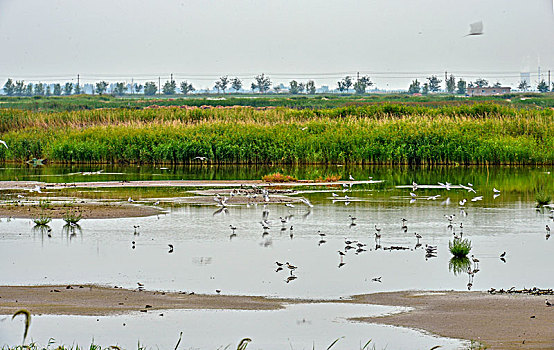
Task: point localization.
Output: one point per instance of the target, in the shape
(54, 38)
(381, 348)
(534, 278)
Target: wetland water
(206, 259)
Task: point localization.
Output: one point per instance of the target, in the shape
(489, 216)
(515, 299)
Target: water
(297, 327)
(205, 258)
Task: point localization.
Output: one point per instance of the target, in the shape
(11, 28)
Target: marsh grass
(382, 133)
(542, 199)
(42, 220)
(460, 248)
(72, 217)
(459, 265)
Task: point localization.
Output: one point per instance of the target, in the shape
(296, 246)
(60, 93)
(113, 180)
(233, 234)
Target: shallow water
(205, 258)
(296, 327)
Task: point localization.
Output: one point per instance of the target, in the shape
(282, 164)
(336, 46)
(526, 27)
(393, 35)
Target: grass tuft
(42, 220)
(542, 199)
(460, 247)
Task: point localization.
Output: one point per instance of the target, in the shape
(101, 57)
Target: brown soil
(87, 210)
(498, 321)
(97, 300)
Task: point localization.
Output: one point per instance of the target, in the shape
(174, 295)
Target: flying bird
(4, 143)
(476, 28)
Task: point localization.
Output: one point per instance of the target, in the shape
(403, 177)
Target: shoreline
(498, 321)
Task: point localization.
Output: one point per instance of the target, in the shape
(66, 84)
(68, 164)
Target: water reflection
(70, 230)
(459, 265)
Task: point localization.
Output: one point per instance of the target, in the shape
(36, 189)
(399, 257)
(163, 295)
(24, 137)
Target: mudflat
(497, 321)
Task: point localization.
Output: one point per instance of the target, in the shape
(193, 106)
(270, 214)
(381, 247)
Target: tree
(57, 89)
(120, 89)
(523, 85)
(277, 89)
(497, 85)
(293, 87)
(19, 88)
(236, 84)
(301, 87)
(186, 87)
(310, 87)
(462, 87)
(169, 87)
(78, 90)
(481, 83)
(361, 84)
(425, 89)
(543, 86)
(138, 87)
(29, 90)
(451, 84)
(223, 83)
(415, 87)
(434, 83)
(150, 88)
(39, 89)
(9, 87)
(345, 84)
(101, 87)
(262, 83)
(48, 93)
(68, 88)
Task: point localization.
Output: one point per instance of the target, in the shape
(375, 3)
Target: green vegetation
(72, 217)
(542, 199)
(370, 133)
(460, 248)
(42, 220)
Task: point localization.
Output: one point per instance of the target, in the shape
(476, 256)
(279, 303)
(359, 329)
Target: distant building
(488, 91)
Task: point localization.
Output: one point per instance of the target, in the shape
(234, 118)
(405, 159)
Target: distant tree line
(432, 85)
(261, 84)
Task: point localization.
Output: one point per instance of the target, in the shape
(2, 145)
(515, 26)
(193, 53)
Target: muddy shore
(498, 321)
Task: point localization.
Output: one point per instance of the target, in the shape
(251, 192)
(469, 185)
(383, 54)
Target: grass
(42, 220)
(460, 248)
(542, 199)
(376, 134)
(72, 217)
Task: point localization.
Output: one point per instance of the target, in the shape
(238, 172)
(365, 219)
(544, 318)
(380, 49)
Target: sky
(392, 41)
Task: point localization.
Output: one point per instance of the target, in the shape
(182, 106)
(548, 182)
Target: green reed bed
(390, 134)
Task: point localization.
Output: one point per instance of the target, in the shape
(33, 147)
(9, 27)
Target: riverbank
(498, 321)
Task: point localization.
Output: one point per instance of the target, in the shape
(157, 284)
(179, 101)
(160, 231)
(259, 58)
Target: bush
(542, 199)
(42, 220)
(278, 177)
(460, 247)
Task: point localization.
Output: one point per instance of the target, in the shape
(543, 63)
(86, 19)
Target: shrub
(278, 177)
(460, 247)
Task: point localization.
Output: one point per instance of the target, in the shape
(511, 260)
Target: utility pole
(445, 80)
(171, 77)
(358, 77)
(159, 86)
(132, 86)
(77, 79)
(549, 79)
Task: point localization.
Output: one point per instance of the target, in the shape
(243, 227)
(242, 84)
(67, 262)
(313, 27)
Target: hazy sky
(394, 41)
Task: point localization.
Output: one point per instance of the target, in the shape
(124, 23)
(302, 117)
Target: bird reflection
(222, 210)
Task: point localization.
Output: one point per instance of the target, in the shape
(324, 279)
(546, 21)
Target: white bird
(35, 189)
(334, 194)
(289, 205)
(495, 190)
(413, 194)
(201, 158)
(130, 200)
(475, 199)
(307, 202)
(350, 177)
(462, 202)
(4, 143)
(434, 197)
